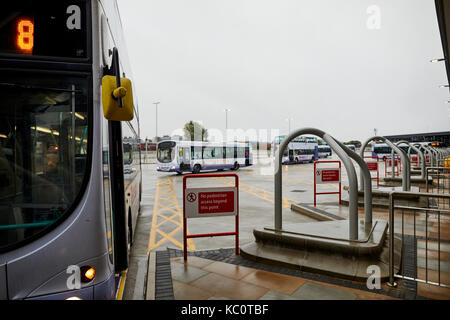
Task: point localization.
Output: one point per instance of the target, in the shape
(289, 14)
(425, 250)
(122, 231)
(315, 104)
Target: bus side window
(208, 153)
(241, 153)
(218, 153)
(230, 153)
(197, 153)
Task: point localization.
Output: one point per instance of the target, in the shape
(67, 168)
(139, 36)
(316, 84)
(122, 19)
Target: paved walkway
(202, 279)
(219, 274)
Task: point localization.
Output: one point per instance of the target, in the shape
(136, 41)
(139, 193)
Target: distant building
(164, 138)
(148, 145)
(177, 138)
(442, 137)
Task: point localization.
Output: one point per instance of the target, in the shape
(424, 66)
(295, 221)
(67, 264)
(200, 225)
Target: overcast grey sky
(324, 63)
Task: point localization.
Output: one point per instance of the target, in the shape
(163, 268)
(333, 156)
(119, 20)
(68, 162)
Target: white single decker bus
(381, 151)
(196, 156)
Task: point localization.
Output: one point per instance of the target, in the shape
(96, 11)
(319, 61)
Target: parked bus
(325, 151)
(381, 151)
(196, 156)
(70, 184)
(300, 150)
(384, 151)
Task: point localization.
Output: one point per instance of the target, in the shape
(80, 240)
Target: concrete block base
(380, 198)
(397, 182)
(323, 247)
(312, 212)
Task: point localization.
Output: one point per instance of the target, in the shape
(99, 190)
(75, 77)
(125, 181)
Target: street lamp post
(156, 104)
(289, 121)
(226, 118)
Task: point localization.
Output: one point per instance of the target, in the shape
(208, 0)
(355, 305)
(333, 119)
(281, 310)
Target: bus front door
(120, 217)
(185, 159)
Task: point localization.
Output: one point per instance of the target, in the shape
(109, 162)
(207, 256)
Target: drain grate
(298, 191)
(163, 277)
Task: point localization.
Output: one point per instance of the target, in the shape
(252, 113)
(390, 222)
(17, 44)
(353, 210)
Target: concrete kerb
(151, 277)
(315, 213)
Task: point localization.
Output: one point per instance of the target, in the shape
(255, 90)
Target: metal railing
(440, 184)
(424, 237)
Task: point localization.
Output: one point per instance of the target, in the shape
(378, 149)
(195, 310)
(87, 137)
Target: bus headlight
(74, 298)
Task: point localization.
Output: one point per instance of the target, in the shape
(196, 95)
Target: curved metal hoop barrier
(406, 174)
(345, 154)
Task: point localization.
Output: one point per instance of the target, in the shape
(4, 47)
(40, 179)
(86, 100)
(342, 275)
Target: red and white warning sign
(372, 166)
(209, 202)
(328, 175)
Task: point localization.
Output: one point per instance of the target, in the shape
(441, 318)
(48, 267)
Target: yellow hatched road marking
(167, 208)
(258, 192)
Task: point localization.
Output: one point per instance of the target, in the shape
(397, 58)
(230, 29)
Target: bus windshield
(166, 153)
(304, 151)
(43, 150)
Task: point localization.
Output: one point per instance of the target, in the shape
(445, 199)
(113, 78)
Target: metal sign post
(415, 160)
(210, 202)
(326, 176)
(395, 166)
(373, 166)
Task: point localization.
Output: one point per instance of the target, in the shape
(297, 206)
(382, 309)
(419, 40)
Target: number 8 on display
(25, 38)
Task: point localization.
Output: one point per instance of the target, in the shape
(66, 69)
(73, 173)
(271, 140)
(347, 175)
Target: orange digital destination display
(45, 29)
(25, 35)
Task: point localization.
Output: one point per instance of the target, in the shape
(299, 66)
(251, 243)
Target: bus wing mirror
(111, 96)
